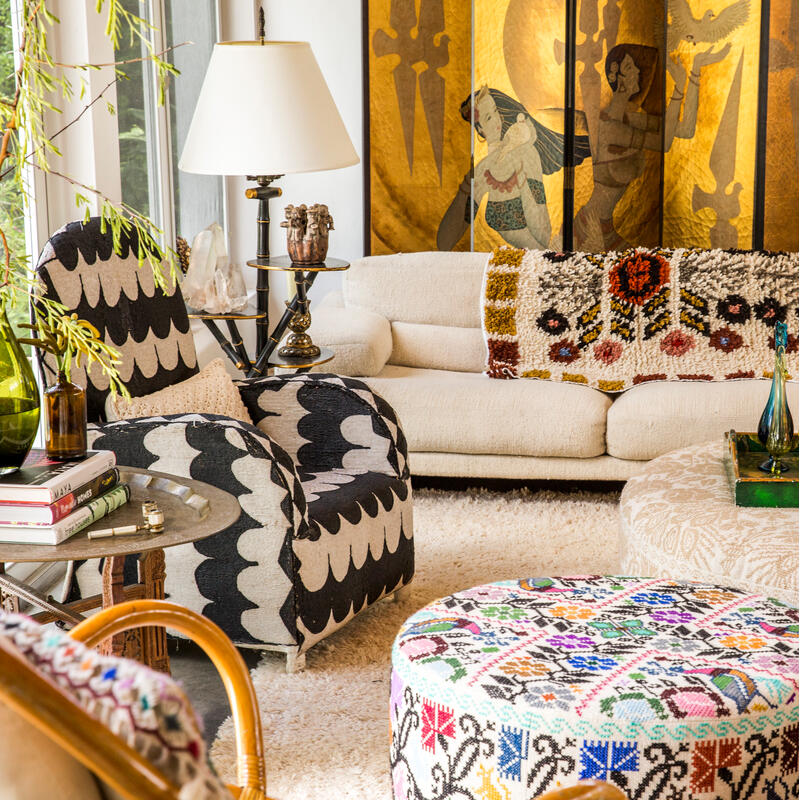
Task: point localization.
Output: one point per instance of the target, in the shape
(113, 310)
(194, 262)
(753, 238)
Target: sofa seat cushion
(468, 412)
(653, 418)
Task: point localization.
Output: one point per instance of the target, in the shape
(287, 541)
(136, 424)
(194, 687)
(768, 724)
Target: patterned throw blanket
(614, 320)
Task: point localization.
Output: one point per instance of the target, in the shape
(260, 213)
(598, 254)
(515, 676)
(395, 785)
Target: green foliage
(37, 85)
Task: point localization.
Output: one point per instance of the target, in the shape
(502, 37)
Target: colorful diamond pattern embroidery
(628, 627)
(600, 758)
(708, 757)
(789, 750)
(513, 751)
(607, 687)
(436, 720)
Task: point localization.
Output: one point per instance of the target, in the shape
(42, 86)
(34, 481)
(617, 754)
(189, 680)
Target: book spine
(55, 534)
(94, 510)
(30, 514)
(83, 495)
(82, 473)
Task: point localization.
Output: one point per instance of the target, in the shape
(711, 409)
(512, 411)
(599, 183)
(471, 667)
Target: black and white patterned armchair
(326, 526)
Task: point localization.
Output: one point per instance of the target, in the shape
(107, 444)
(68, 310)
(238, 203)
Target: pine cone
(184, 252)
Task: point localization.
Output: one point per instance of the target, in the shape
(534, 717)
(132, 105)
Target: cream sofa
(410, 326)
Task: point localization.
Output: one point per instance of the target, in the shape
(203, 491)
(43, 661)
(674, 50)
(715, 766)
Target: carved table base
(148, 645)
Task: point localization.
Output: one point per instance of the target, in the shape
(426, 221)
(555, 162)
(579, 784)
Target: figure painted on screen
(629, 126)
(521, 151)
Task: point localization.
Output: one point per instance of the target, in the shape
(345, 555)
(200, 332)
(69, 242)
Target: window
(12, 204)
(151, 136)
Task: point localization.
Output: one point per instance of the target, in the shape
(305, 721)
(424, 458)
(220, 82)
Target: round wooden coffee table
(679, 520)
(192, 511)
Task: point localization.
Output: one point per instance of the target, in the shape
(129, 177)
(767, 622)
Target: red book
(38, 514)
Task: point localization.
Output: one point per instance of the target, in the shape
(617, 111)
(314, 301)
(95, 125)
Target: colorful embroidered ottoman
(666, 689)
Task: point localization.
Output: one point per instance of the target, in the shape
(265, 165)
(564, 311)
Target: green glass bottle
(19, 400)
(776, 428)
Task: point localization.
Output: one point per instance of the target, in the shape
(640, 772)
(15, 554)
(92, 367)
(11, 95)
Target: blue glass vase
(19, 400)
(776, 428)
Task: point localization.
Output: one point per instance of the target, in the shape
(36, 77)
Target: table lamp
(264, 111)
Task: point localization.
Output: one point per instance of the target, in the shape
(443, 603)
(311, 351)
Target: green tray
(752, 486)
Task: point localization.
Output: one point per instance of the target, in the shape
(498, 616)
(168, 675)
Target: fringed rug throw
(614, 320)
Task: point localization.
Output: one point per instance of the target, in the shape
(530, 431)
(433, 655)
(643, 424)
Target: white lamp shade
(265, 109)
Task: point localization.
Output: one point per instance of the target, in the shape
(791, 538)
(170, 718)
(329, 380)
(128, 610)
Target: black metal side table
(299, 352)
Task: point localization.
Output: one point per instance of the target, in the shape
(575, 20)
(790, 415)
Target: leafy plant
(68, 338)
(40, 84)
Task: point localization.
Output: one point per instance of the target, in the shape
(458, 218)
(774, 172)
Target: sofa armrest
(361, 339)
(328, 422)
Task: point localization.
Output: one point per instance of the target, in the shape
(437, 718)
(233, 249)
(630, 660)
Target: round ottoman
(679, 520)
(668, 690)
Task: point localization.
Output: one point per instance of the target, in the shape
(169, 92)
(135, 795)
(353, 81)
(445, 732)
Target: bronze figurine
(307, 233)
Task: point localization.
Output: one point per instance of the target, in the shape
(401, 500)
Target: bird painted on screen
(710, 28)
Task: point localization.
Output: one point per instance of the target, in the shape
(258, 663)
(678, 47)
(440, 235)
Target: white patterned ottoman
(668, 690)
(679, 520)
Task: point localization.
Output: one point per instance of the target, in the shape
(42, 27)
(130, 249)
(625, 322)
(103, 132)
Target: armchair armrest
(251, 774)
(219, 450)
(239, 458)
(361, 339)
(328, 422)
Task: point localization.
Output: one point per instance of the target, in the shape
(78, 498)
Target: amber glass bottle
(65, 420)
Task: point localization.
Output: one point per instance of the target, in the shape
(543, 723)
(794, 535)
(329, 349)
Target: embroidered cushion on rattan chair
(146, 709)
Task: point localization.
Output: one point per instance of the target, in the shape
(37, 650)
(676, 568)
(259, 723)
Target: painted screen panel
(619, 100)
(419, 74)
(780, 189)
(519, 104)
(709, 161)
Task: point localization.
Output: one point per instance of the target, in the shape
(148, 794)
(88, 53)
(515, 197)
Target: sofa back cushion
(425, 288)
(438, 347)
(432, 300)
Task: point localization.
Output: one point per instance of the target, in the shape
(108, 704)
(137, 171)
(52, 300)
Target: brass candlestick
(298, 343)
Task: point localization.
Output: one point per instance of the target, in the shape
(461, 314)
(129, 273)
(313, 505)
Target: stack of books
(46, 501)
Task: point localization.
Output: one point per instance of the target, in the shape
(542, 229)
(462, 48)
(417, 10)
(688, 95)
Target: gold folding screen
(685, 124)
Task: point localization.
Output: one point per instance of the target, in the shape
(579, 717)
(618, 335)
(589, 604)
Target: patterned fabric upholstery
(678, 520)
(326, 526)
(146, 709)
(668, 690)
(79, 267)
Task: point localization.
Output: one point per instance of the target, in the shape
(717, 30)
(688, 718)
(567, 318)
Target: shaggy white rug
(327, 728)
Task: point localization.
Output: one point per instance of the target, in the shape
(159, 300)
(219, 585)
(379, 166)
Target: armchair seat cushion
(147, 710)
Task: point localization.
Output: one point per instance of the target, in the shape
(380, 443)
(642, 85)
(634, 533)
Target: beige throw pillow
(211, 391)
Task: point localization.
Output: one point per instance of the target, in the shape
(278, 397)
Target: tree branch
(113, 63)
(7, 270)
(68, 125)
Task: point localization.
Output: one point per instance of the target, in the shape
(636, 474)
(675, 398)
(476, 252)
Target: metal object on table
(300, 353)
(751, 486)
(307, 231)
(192, 510)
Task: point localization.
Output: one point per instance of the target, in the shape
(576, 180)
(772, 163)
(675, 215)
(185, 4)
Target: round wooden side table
(192, 511)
